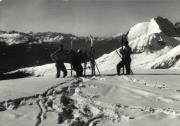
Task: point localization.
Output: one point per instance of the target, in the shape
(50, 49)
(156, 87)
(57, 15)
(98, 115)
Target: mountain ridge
(18, 49)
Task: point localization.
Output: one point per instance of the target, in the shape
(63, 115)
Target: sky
(83, 17)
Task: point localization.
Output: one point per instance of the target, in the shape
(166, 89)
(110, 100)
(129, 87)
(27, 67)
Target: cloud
(65, 0)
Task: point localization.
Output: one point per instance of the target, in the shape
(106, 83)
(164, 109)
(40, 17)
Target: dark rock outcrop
(167, 26)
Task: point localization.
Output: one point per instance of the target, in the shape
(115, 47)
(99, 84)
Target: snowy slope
(143, 60)
(43, 70)
(168, 59)
(163, 59)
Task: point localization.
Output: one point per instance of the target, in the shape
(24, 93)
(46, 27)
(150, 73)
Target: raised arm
(53, 55)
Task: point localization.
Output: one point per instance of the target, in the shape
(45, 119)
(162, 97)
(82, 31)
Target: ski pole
(97, 68)
(71, 57)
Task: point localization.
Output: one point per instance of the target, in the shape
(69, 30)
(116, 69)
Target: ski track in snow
(134, 80)
(42, 114)
(77, 109)
(117, 112)
(39, 116)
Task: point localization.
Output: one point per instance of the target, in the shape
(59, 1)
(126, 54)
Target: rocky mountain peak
(166, 26)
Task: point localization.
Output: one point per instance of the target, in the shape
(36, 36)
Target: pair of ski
(93, 62)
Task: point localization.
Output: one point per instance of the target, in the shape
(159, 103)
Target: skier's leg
(58, 70)
(75, 67)
(118, 69)
(128, 67)
(80, 70)
(64, 70)
(119, 66)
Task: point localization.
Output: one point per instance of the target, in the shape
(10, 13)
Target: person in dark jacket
(76, 63)
(125, 52)
(59, 63)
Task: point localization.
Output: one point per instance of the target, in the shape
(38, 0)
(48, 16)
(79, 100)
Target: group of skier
(76, 60)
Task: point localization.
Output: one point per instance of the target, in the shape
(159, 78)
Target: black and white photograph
(89, 62)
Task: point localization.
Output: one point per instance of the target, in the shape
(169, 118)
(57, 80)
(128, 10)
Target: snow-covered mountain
(15, 37)
(156, 44)
(153, 35)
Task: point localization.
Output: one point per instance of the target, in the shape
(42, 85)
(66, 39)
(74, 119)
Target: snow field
(110, 100)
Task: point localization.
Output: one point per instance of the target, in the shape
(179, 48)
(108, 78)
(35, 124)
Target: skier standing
(125, 52)
(59, 63)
